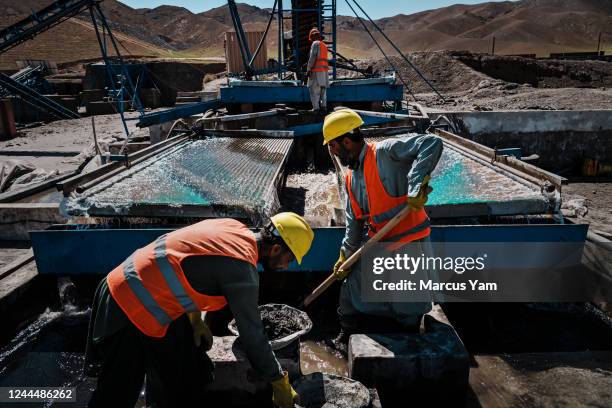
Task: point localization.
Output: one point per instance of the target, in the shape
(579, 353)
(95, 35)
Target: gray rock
(436, 358)
(318, 390)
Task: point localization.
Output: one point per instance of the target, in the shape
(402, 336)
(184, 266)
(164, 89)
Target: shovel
(355, 257)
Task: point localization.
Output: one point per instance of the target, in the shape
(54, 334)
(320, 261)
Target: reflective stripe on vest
(150, 286)
(384, 207)
(321, 64)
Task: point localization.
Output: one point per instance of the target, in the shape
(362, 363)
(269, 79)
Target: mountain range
(525, 26)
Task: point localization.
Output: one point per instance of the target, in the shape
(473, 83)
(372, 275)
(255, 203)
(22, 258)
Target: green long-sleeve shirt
(235, 279)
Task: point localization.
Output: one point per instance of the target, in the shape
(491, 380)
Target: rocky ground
(58, 147)
(483, 82)
(588, 202)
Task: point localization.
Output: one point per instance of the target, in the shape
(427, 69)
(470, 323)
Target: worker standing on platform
(318, 71)
(382, 179)
(146, 316)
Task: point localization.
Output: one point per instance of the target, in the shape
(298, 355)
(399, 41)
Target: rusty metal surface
(209, 177)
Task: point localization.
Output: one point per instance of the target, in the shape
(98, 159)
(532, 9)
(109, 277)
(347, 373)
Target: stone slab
(234, 373)
(434, 359)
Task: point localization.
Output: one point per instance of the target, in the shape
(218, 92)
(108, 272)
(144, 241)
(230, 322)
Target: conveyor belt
(202, 178)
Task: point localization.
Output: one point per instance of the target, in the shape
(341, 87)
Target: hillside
(526, 26)
(73, 40)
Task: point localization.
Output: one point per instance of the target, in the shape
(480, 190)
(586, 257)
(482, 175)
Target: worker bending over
(318, 71)
(382, 179)
(146, 316)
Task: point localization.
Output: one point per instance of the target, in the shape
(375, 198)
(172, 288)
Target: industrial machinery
(232, 157)
(229, 157)
(122, 87)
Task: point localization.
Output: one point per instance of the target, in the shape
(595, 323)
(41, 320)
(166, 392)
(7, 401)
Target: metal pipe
(109, 68)
(280, 36)
(256, 53)
(114, 172)
(125, 71)
(242, 42)
(67, 185)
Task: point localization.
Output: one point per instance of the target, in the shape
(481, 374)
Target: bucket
(283, 324)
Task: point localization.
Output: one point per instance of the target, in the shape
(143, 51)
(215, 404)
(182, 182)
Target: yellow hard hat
(340, 122)
(295, 231)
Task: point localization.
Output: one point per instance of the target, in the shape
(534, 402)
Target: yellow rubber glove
(417, 202)
(340, 273)
(283, 394)
(201, 332)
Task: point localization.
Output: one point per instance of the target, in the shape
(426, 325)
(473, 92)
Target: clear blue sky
(375, 8)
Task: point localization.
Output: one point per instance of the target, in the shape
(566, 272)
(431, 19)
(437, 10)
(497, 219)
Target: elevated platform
(288, 92)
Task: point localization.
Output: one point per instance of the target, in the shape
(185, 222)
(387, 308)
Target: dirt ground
(484, 82)
(66, 138)
(496, 95)
(71, 134)
(542, 380)
(595, 199)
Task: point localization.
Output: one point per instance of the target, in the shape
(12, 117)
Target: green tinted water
(223, 172)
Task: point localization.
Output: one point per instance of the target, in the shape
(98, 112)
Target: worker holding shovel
(387, 185)
(146, 315)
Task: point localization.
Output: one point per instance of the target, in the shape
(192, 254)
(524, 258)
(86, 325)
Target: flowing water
(219, 172)
(50, 351)
(458, 180)
(316, 356)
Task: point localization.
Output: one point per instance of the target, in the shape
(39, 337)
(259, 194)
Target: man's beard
(346, 160)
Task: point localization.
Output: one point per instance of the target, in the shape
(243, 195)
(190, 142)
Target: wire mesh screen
(210, 177)
(465, 186)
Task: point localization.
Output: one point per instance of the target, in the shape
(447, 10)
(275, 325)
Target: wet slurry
(49, 352)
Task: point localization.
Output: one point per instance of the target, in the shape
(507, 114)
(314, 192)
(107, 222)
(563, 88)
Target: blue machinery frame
(299, 94)
(273, 95)
(88, 250)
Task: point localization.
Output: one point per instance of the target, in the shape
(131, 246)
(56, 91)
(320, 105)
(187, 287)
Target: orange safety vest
(383, 207)
(150, 286)
(321, 64)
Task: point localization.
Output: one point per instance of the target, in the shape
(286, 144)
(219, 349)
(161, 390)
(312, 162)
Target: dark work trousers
(176, 370)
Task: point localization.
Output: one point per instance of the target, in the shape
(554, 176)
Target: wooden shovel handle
(356, 255)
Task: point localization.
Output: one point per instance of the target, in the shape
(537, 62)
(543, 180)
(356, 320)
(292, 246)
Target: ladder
(327, 26)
